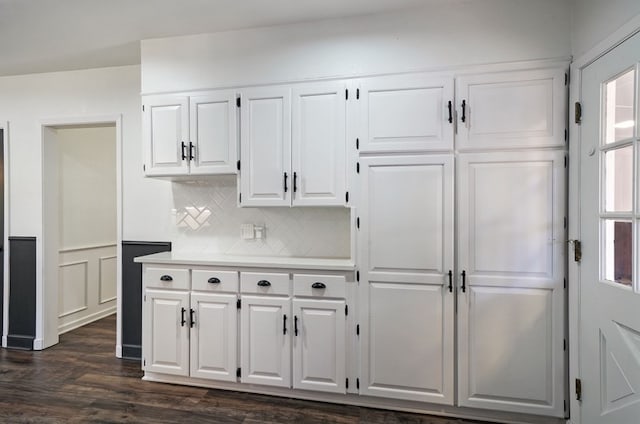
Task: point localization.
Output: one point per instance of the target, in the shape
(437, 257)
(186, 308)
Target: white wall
(595, 20)
(87, 224)
(448, 34)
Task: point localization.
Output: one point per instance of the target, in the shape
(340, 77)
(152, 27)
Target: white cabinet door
(511, 110)
(166, 331)
(511, 313)
(319, 345)
(406, 254)
(319, 144)
(265, 147)
(166, 135)
(406, 113)
(214, 133)
(214, 336)
(265, 340)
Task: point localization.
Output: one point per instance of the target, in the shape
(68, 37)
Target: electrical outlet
(247, 232)
(260, 232)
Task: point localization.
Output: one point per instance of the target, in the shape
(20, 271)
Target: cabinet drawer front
(214, 280)
(264, 283)
(334, 285)
(167, 278)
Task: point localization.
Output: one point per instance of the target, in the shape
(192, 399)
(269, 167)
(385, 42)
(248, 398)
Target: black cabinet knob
(213, 280)
(318, 285)
(166, 278)
(264, 283)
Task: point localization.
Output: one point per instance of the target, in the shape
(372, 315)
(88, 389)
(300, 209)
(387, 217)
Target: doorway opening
(81, 226)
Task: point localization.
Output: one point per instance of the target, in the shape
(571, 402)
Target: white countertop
(213, 259)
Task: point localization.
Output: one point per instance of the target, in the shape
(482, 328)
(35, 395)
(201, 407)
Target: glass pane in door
(618, 251)
(618, 171)
(619, 112)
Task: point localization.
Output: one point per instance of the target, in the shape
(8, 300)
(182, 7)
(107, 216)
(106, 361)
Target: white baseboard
(86, 320)
(38, 344)
(4, 341)
(119, 351)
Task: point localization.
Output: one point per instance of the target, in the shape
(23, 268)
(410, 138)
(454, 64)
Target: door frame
(625, 32)
(4, 126)
(47, 256)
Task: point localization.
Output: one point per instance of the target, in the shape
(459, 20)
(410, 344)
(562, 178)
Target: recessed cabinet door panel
(265, 147)
(510, 110)
(167, 337)
(214, 133)
(511, 249)
(407, 113)
(265, 348)
(165, 129)
(319, 144)
(319, 345)
(213, 336)
(404, 336)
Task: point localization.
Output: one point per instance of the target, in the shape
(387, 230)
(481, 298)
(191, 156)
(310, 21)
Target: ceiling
(57, 35)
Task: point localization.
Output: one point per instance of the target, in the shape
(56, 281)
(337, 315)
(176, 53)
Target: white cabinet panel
(511, 250)
(406, 113)
(166, 134)
(407, 342)
(319, 144)
(213, 336)
(166, 339)
(214, 132)
(407, 217)
(511, 110)
(265, 340)
(265, 147)
(319, 354)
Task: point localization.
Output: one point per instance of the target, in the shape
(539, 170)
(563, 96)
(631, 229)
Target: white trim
(102, 301)
(71, 121)
(88, 247)
(5, 270)
(86, 320)
(625, 32)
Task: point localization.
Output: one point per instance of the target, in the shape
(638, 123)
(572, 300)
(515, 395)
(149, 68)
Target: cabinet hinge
(565, 405)
(346, 310)
(238, 102)
(238, 165)
(358, 167)
(358, 330)
(357, 275)
(346, 94)
(357, 94)
(564, 344)
(144, 168)
(565, 161)
(240, 198)
(346, 197)
(346, 383)
(578, 113)
(143, 108)
(238, 372)
(145, 297)
(566, 78)
(564, 283)
(238, 305)
(565, 222)
(357, 383)
(577, 250)
(566, 135)
(578, 389)
(358, 222)
(357, 144)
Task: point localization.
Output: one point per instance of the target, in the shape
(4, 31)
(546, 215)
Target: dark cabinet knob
(213, 280)
(318, 285)
(264, 283)
(166, 278)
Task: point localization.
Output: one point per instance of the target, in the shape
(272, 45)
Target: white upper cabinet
(214, 133)
(190, 135)
(319, 144)
(166, 135)
(406, 113)
(265, 147)
(511, 110)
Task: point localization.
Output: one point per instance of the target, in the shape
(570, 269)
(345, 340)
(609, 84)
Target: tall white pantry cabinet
(476, 253)
(458, 193)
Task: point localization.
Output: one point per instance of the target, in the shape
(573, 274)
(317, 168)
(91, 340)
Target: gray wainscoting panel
(22, 292)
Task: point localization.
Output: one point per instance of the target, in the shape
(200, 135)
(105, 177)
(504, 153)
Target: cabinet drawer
(213, 280)
(334, 285)
(167, 278)
(264, 283)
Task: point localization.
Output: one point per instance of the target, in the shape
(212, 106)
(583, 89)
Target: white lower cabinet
(265, 340)
(319, 354)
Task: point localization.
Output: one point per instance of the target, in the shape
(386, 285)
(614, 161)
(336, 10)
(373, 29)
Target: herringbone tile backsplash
(207, 219)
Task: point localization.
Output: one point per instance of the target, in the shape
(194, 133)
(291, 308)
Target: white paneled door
(406, 255)
(609, 310)
(510, 281)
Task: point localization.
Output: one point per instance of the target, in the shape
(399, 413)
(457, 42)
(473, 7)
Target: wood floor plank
(80, 380)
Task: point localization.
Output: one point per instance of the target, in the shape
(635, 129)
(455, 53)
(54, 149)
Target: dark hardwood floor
(80, 380)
